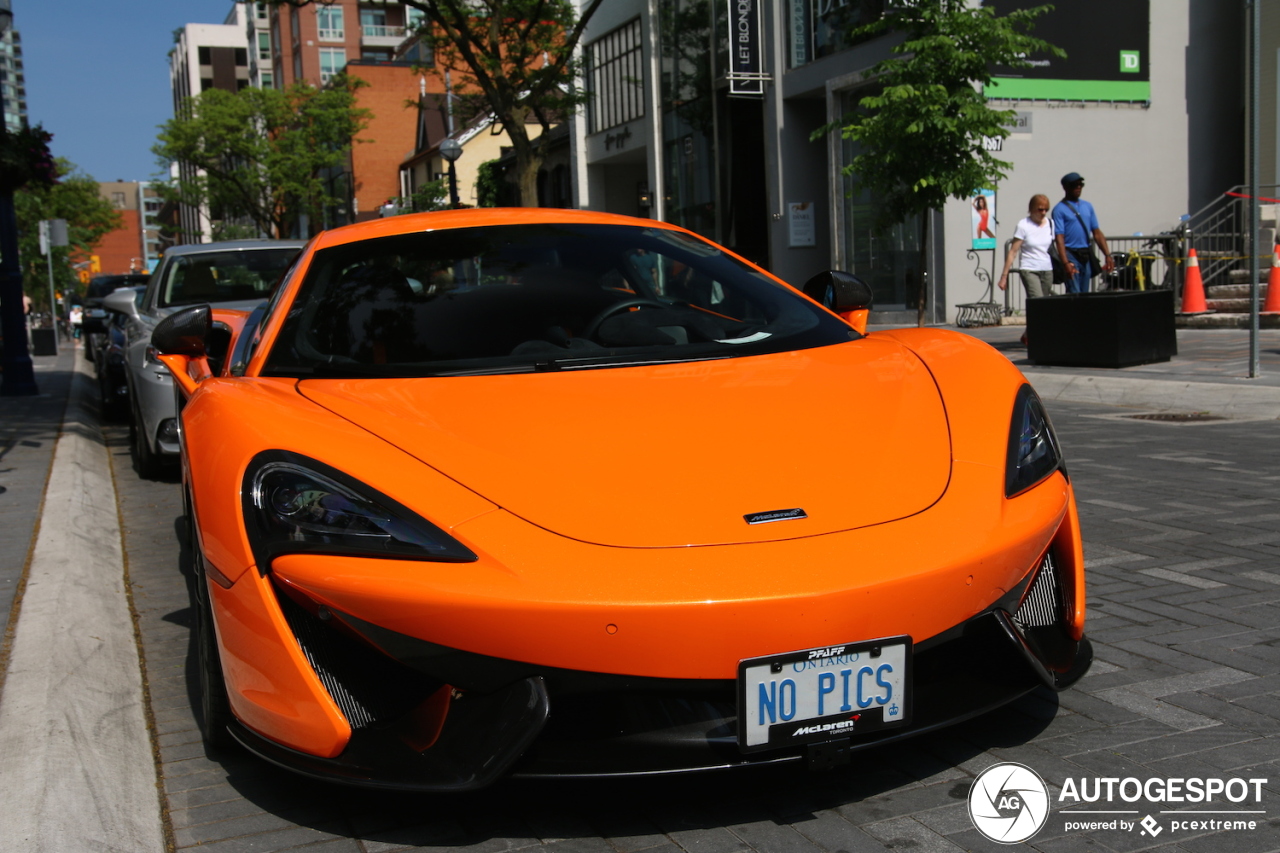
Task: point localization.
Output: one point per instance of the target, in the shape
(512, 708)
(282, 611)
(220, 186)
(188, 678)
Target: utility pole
(1255, 22)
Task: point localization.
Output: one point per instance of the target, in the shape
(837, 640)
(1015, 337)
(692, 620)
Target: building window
(297, 67)
(413, 18)
(206, 83)
(267, 82)
(420, 54)
(117, 200)
(260, 10)
(329, 21)
(332, 60)
(615, 74)
(375, 55)
(373, 23)
(293, 26)
(242, 57)
(264, 46)
(205, 55)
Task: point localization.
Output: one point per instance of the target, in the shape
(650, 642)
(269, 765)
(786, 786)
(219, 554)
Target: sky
(97, 76)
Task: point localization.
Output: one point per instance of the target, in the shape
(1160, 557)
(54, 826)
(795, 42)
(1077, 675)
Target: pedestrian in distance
(1030, 245)
(1076, 230)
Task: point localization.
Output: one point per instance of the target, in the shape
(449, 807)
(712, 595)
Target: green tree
(512, 58)
(257, 157)
(89, 217)
(920, 136)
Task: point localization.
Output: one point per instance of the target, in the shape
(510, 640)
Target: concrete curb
(1161, 395)
(78, 770)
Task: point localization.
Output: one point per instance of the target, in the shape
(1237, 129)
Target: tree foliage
(920, 136)
(89, 216)
(261, 154)
(512, 58)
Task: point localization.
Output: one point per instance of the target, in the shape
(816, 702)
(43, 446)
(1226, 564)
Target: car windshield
(518, 298)
(226, 276)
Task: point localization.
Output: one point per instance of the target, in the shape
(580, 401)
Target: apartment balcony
(377, 35)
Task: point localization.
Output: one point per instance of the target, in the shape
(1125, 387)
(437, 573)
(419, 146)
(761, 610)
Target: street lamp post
(451, 150)
(19, 374)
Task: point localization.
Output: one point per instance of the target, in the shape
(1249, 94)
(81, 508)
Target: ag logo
(1008, 803)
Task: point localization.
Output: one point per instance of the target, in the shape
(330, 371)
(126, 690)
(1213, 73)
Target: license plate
(821, 694)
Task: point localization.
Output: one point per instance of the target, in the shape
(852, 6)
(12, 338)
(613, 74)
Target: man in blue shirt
(1075, 226)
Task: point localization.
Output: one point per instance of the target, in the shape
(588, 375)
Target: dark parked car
(99, 287)
(113, 386)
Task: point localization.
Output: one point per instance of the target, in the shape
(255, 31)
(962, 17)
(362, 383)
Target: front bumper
(428, 718)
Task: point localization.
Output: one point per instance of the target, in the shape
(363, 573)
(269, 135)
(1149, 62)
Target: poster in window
(982, 210)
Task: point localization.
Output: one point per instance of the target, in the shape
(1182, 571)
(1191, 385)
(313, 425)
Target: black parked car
(113, 386)
(100, 286)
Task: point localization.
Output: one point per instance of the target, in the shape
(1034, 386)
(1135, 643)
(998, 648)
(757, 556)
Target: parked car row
(236, 274)
(519, 492)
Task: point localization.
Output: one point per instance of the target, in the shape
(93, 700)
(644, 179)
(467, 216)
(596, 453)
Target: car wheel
(215, 709)
(148, 463)
(109, 403)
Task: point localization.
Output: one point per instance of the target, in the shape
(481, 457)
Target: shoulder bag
(1059, 267)
(1092, 254)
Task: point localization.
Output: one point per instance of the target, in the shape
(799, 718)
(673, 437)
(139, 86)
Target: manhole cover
(1177, 417)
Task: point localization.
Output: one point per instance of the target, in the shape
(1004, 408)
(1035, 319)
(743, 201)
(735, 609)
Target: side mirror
(121, 302)
(94, 322)
(183, 333)
(839, 291)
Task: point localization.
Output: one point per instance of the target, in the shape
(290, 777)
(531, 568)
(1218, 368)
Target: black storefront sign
(746, 77)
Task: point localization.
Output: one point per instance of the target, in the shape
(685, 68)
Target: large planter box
(44, 342)
(1108, 329)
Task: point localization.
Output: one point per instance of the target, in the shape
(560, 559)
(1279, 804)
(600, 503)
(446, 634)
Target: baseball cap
(1072, 178)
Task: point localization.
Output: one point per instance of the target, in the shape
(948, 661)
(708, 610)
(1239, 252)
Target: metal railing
(380, 31)
(1219, 232)
(1146, 263)
(331, 34)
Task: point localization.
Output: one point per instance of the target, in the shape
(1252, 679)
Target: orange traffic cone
(1193, 288)
(1272, 305)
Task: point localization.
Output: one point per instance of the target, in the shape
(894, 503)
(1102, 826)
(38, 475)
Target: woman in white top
(1031, 240)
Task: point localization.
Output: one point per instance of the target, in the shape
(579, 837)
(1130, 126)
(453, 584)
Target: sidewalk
(1209, 374)
(78, 761)
(79, 771)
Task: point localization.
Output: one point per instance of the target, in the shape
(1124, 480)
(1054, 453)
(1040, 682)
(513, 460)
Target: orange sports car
(533, 492)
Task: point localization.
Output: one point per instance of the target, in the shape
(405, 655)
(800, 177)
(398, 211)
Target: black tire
(149, 464)
(215, 709)
(109, 403)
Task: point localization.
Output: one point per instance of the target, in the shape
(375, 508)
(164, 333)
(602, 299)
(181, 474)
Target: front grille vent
(1043, 605)
(367, 686)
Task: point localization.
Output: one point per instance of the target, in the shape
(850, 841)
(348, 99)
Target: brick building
(373, 173)
(314, 42)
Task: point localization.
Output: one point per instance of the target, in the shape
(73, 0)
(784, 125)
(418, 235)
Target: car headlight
(1033, 448)
(294, 504)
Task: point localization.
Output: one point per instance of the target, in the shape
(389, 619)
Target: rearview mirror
(838, 291)
(184, 333)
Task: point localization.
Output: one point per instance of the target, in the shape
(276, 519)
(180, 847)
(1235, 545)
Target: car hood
(678, 454)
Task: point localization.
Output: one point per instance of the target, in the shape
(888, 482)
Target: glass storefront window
(819, 28)
(886, 259)
(688, 115)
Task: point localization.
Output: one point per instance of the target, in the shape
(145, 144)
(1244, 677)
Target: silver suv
(235, 274)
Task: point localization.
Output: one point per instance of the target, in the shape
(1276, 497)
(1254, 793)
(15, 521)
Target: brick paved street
(1183, 544)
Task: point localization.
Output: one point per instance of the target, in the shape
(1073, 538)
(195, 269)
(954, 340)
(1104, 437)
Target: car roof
(410, 223)
(231, 245)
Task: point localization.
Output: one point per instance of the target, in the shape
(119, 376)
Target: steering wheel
(638, 302)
